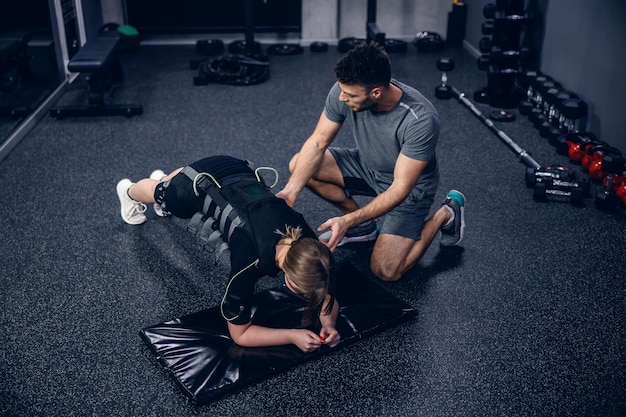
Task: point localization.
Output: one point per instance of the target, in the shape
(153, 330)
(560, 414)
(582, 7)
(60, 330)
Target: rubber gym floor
(526, 318)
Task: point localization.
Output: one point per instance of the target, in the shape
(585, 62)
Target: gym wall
(330, 20)
(399, 19)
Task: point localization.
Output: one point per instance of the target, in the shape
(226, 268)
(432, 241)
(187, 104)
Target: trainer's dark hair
(367, 65)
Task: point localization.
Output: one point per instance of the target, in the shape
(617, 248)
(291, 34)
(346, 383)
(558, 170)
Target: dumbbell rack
(561, 117)
(502, 57)
(553, 180)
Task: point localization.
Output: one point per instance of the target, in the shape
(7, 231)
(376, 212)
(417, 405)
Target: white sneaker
(157, 174)
(132, 211)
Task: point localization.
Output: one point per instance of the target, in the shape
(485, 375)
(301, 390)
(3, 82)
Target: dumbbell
(616, 182)
(614, 167)
(549, 185)
(619, 186)
(539, 115)
(543, 89)
(548, 127)
(445, 65)
(539, 85)
(557, 182)
(489, 10)
(487, 28)
(559, 189)
(483, 62)
(553, 97)
(604, 161)
(516, 17)
(500, 86)
(531, 80)
(504, 57)
(546, 121)
(484, 45)
(525, 80)
(535, 175)
(572, 111)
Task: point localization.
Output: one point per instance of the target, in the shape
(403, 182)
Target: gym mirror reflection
(28, 63)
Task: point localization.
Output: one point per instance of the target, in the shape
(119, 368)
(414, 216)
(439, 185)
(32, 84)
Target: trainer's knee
(292, 162)
(385, 271)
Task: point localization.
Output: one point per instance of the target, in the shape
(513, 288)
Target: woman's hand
(306, 340)
(331, 336)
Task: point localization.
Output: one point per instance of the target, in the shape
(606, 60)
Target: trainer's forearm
(377, 207)
(306, 165)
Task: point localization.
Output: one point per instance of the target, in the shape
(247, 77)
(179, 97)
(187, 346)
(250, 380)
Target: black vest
(241, 201)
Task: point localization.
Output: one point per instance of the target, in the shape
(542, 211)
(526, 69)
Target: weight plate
(319, 47)
(347, 44)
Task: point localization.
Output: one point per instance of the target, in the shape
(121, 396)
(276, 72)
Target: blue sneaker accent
(457, 196)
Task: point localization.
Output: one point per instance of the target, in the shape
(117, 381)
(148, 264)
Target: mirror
(28, 61)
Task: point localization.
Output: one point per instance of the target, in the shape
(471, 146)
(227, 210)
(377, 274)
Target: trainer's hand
(338, 227)
(289, 197)
(306, 340)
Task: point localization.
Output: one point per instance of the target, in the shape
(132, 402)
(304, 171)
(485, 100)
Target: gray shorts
(405, 220)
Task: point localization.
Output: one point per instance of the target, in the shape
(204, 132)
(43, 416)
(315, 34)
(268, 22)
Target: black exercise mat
(206, 364)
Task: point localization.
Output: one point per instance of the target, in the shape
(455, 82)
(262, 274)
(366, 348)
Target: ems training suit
(252, 254)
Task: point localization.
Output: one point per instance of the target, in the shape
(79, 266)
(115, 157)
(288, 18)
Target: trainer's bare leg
(394, 255)
(328, 184)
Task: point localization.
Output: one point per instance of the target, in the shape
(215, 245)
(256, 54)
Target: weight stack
(502, 57)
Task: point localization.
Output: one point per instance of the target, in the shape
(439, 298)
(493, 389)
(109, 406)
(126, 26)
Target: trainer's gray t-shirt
(410, 128)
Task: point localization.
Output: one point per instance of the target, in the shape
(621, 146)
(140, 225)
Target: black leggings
(177, 198)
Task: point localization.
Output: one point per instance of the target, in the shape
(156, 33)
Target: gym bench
(99, 59)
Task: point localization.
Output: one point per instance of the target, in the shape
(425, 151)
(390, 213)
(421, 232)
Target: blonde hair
(309, 264)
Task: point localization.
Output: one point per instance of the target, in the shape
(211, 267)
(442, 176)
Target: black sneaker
(363, 233)
(452, 234)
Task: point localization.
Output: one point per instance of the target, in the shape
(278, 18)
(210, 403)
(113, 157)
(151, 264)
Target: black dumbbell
(500, 56)
(445, 65)
(613, 166)
(487, 28)
(484, 45)
(483, 62)
(540, 85)
(525, 80)
(558, 182)
(535, 175)
(489, 10)
(572, 111)
(518, 18)
(553, 97)
(540, 115)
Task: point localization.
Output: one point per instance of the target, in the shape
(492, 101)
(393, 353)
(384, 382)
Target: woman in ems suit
(231, 208)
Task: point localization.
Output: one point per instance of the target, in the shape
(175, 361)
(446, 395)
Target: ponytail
(309, 264)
